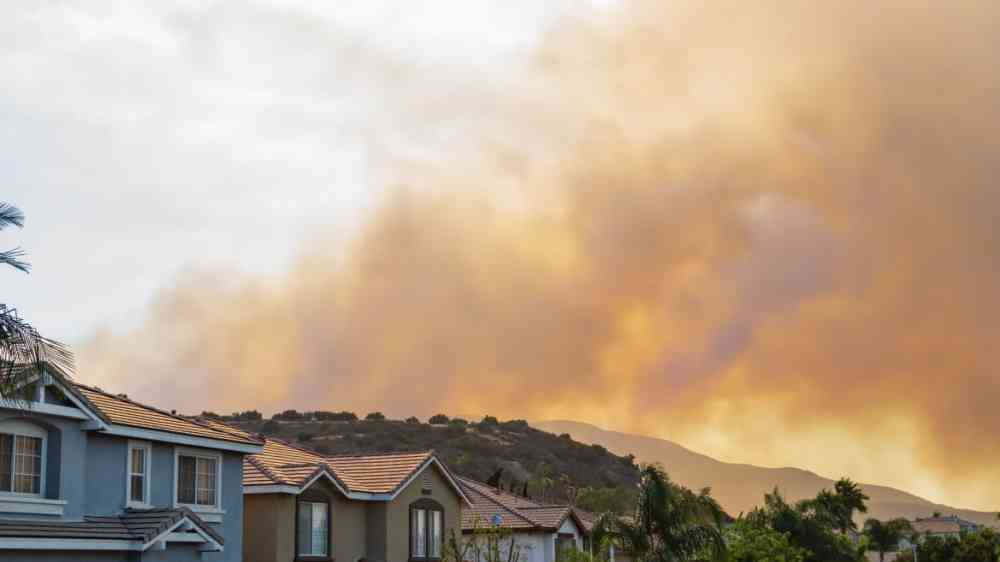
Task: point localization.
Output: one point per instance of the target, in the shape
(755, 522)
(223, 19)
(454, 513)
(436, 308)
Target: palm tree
(885, 536)
(23, 350)
(670, 523)
(850, 499)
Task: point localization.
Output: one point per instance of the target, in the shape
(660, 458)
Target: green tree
(979, 546)
(669, 523)
(884, 536)
(806, 528)
(375, 416)
(758, 543)
(438, 419)
(23, 350)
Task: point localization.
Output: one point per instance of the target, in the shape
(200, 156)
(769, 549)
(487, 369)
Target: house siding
(87, 469)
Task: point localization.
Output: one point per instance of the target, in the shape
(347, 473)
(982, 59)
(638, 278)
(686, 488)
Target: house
(540, 531)
(395, 507)
(943, 526)
(86, 475)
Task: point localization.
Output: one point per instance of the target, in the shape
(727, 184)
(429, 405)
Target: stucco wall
(62, 556)
(268, 527)
(398, 513)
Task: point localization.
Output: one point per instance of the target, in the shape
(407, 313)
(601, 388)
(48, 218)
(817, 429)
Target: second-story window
(21, 463)
(198, 479)
(137, 484)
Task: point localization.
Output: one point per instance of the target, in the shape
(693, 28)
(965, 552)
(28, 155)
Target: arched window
(22, 458)
(426, 529)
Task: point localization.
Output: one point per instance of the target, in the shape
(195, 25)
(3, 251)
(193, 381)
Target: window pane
(27, 464)
(186, 479)
(206, 481)
(420, 530)
(319, 529)
(304, 538)
(138, 461)
(435, 546)
(6, 462)
(138, 491)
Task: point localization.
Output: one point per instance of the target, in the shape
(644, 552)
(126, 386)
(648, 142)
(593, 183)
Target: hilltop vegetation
(518, 457)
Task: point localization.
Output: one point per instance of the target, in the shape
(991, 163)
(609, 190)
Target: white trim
(16, 503)
(68, 544)
(178, 439)
(329, 477)
(147, 449)
(431, 460)
(215, 509)
(182, 525)
(53, 410)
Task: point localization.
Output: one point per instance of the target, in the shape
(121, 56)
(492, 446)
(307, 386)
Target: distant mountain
(739, 487)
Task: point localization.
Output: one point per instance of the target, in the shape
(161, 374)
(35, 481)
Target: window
(137, 479)
(426, 530)
(313, 529)
(198, 479)
(22, 458)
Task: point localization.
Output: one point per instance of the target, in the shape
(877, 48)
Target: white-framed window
(138, 467)
(313, 529)
(23, 449)
(426, 530)
(198, 479)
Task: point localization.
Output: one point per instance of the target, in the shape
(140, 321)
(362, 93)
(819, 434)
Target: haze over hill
(739, 487)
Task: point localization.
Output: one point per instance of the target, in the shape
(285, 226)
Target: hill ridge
(740, 486)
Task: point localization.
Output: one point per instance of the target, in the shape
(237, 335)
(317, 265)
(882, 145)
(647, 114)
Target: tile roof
(282, 463)
(132, 525)
(516, 512)
(120, 410)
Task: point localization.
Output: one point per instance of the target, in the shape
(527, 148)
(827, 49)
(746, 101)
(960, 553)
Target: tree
(807, 528)
(756, 543)
(885, 536)
(412, 419)
(850, 498)
(438, 419)
(23, 350)
(669, 523)
(375, 416)
(270, 427)
(979, 546)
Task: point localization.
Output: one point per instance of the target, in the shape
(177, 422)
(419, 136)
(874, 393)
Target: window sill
(31, 504)
(207, 514)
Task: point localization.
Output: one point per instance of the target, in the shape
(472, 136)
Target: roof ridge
(426, 453)
(124, 398)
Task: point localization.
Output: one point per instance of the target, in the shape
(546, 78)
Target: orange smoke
(765, 232)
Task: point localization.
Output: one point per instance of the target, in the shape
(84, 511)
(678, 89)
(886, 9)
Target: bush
(270, 427)
(412, 419)
(438, 419)
(489, 421)
(288, 415)
(458, 422)
(304, 437)
(375, 416)
(335, 416)
(249, 415)
(211, 415)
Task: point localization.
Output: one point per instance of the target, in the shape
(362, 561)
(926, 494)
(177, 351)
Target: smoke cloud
(765, 230)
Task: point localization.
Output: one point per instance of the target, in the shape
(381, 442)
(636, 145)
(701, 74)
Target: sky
(764, 231)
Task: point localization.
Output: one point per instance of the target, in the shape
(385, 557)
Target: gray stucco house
(86, 475)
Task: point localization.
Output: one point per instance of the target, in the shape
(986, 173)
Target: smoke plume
(765, 230)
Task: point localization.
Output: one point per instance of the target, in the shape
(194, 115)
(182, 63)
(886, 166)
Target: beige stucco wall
(268, 527)
(398, 513)
(377, 531)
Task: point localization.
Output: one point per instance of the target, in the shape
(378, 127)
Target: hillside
(739, 487)
(554, 467)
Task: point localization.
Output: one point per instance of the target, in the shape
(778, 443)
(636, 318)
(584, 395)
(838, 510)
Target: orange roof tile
(516, 512)
(282, 463)
(121, 410)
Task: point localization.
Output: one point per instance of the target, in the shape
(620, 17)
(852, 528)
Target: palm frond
(13, 259)
(10, 216)
(24, 353)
